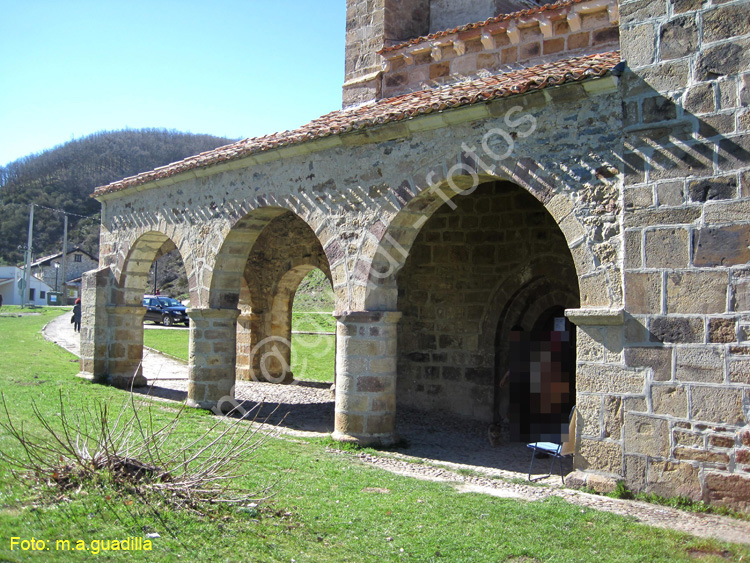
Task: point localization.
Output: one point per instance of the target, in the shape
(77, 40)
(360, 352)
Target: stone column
(125, 347)
(366, 377)
(95, 286)
(247, 334)
(212, 356)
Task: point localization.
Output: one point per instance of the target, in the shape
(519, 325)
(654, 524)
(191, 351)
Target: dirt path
(452, 451)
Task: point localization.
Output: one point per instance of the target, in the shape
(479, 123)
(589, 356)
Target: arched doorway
(493, 261)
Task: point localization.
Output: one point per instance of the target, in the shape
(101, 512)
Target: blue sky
(69, 68)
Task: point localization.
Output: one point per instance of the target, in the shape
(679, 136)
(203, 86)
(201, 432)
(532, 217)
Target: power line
(66, 212)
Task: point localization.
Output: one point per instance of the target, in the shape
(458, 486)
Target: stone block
(677, 330)
(663, 77)
(589, 409)
(667, 248)
(669, 479)
(659, 359)
(613, 416)
(602, 484)
(646, 435)
(380, 424)
(719, 124)
(721, 331)
(638, 198)
(739, 371)
(727, 212)
(599, 455)
(680, 6)
(678, 37)
(696, 292)
(734, 152)
(640, 10)
(669, 400)
(677, 162)
(723, 60)
(725, 22)
(604, 378)
(721, 246)
(649, 218)
(349, 424)
(699, 364)
(638, 46)
(727, 94)
(726, 489)
(717, 404)
(633, 249)
(374, 384)
(658, 108)
(687, 439)
(635, 471)
(719, 441)
(643, 292)
(710, 189)
(670, 193)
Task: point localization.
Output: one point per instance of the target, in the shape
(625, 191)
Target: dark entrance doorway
(541, 380)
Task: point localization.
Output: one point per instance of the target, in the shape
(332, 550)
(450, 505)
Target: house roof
(530, 12)
(387, 110)
(45, 259)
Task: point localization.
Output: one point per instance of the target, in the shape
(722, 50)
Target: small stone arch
(136, 258)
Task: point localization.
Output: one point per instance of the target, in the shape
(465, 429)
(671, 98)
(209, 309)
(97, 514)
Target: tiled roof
(389, 110)
(497, 19)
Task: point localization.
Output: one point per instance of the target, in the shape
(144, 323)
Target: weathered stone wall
(73, 269)
(687, 229)
(465, 269)
(580, 29)
(446, 14)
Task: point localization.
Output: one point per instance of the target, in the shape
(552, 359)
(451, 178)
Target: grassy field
(326, 506)
(313, 355)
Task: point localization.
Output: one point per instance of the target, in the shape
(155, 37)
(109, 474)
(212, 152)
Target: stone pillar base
(366, 377)
(211, 364)
(596, 481)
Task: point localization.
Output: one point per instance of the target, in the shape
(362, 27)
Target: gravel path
(449, 450)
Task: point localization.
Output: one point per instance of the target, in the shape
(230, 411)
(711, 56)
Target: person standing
(77, 315)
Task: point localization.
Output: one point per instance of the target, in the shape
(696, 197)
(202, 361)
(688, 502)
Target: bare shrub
(131, 451)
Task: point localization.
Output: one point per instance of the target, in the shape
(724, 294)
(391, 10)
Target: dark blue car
(164, 310)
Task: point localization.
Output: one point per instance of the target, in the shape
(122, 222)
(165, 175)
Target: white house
(10, 287)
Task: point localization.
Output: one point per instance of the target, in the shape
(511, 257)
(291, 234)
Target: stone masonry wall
(463, 268)
(580, 29)
(687, 230)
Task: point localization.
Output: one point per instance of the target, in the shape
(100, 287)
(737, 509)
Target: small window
(77, 258)
(42, 294)
(31, 294)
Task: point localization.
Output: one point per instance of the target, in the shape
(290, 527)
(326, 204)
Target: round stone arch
(136, 258)
(224, 277)
(395, 238)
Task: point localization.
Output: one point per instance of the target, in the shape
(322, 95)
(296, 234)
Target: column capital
(125, 310)
(209, 314)
(367, 316)
(598, 316)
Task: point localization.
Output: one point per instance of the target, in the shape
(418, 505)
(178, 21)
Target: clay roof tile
(399, 108)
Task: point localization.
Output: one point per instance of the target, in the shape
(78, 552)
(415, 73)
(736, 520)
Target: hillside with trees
(64, 177)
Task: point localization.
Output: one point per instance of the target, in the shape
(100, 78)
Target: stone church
(520, 208)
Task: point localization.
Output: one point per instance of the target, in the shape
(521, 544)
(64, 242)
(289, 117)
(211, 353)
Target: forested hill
(64, 177)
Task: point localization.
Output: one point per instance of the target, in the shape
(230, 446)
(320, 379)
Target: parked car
(164, 310)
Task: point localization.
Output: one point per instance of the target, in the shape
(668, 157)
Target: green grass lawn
(313, 355)
(327, 505)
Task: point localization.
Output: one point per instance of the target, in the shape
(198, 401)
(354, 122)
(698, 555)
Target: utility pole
(156, 271)
(64, 259)
(27, 277)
